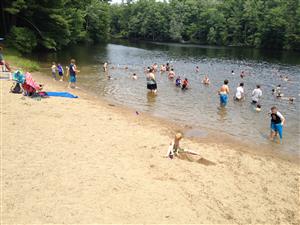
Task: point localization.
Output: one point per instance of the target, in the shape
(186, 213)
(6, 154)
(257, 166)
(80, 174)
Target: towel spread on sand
(61, 94)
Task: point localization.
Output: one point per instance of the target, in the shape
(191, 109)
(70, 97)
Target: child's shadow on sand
(194, 158)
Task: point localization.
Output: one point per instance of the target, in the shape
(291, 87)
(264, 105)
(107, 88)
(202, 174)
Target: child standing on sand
(53, 70)
(60, 71)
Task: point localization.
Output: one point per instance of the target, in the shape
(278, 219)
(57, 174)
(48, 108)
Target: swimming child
(224, 92)
(278, 91)
(242, 74)
(197, 69)
(232, 72)
(277, 122)
(60, 71)
(134, 76)
(105, 66)
(206, 80)
(289, 99)
(256, 94)
(53, 70)
(73, 73)
(155, 66)
(168, 67)
(185, 84)
(258, 108)
(171, 74)
(178, 81)
(239, 95)
(163, 68)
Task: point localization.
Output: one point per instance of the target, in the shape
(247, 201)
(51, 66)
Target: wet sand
(88, 161)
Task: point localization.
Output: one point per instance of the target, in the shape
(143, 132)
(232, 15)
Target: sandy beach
(84, 161)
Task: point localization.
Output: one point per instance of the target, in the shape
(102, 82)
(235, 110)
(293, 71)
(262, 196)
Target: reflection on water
(199, 105)
(222, 112)
(151, 97)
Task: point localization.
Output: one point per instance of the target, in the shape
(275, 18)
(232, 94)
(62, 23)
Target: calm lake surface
(198, 106)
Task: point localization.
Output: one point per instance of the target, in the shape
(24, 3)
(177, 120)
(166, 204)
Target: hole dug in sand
(195, 158)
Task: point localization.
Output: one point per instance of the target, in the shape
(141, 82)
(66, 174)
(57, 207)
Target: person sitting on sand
(171, 74)
(223, 93)
(134, 76)
(178, 82)
(185, 84)
(3, 63)
(277, 122)
(174, 147)
(73, 73)
(205, 80)
(240, 95)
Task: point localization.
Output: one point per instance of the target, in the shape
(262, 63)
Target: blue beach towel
(61, 94)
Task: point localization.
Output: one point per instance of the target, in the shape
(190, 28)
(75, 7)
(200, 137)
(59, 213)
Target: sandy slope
(83, 161)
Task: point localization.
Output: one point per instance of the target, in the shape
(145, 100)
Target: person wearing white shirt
(239, 95)
(256, 94)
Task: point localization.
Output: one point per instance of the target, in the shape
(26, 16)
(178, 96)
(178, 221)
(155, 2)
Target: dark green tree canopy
(54, 24)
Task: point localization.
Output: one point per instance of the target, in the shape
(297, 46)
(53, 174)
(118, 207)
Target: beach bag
(29, 91)
(16, 88)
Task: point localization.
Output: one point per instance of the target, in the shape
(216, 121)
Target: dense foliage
(257, 23)
(53, 24)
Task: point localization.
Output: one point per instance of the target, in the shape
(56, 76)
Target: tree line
(54, 24)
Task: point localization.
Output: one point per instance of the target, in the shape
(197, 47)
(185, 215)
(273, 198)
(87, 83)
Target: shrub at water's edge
(17, 61)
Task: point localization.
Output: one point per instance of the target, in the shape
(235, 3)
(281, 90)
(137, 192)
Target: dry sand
(84, 161)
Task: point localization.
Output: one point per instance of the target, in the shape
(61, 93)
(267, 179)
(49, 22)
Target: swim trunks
(223, 99)
(72, 79)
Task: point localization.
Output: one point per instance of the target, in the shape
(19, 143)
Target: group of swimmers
(277, 120)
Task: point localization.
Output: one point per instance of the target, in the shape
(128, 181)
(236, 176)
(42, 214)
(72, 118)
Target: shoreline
(87, 160)
(220, 139)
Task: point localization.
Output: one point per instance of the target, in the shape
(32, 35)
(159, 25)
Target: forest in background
(55, 24)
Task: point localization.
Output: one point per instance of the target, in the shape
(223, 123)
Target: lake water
(198, 106)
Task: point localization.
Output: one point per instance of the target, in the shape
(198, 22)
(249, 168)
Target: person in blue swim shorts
(223, 93)
(277, 122)
(72, 72)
